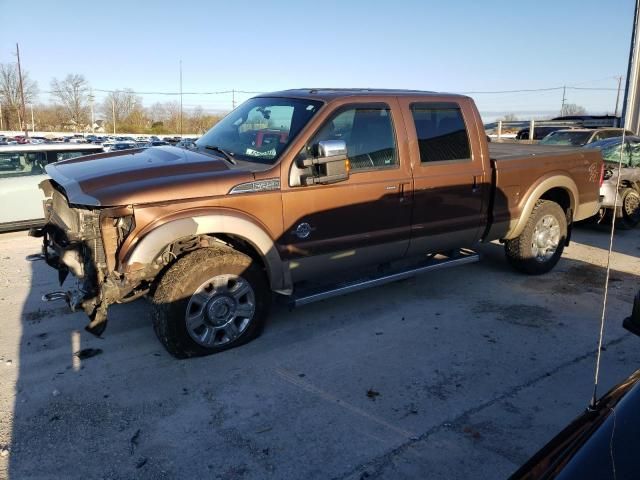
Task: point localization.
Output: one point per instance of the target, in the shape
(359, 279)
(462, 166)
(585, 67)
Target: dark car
(538, 132)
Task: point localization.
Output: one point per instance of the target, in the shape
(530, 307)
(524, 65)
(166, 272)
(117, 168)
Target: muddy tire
(540, 245)
(208, 301)
(630, 209)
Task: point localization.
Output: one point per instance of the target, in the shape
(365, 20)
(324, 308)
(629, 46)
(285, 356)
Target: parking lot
(462, 373)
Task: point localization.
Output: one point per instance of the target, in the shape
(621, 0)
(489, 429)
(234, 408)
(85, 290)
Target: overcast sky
(445, 45)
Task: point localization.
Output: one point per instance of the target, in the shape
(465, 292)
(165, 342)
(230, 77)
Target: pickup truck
(296, 193)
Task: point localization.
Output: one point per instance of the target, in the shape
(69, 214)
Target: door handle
(404, 196)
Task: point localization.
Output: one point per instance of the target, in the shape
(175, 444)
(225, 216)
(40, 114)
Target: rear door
(363, 220)
(451, 186)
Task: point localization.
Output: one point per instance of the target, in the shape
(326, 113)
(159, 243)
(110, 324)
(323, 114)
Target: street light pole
(91, 98)
(26, 131)
(113, 112)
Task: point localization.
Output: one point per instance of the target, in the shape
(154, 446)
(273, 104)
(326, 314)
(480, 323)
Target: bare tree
(573, 109)
(122, 103)
(510, 117)
(73, 94)
(10, 94)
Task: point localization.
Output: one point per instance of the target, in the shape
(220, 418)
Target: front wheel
(540, 245)
(208, 301)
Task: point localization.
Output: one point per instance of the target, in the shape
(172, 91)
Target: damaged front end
(84, 241)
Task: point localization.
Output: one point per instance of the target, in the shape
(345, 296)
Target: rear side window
(442, 135)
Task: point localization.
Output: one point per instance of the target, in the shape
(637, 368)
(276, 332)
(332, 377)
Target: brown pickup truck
(301, 193)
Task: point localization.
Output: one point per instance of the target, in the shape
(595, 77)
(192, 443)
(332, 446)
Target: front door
(363, 220)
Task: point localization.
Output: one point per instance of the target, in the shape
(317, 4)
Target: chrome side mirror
(331, 148)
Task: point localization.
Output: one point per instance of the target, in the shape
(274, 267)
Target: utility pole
(615, 111)
(1, 119)
(113, 112)
(180, 98)
(233, 99)
(33, 122)
(564, 99)
(631, 102)
(91, 99)
(26, 131)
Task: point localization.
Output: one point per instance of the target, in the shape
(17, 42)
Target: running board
(461, 258)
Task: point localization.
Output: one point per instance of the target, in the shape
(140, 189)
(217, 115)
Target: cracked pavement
(462, 373)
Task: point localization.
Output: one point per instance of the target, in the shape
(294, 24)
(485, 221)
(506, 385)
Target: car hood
(130, 177)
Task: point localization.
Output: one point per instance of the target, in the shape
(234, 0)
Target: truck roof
(328, 94)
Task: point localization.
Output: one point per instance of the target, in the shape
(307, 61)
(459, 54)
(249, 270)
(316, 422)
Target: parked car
(186, 143)
(123, 146)
(582, 136)
(538, 132)
(345, 186)
(628, 195)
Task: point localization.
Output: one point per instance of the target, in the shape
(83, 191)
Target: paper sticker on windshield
(255, 153)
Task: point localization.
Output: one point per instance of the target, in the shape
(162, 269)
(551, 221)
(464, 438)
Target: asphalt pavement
(461, 373)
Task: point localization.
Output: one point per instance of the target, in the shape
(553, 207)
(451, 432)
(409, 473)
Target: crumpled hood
(144, 175)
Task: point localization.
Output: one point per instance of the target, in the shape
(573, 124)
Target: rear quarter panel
(521, 181)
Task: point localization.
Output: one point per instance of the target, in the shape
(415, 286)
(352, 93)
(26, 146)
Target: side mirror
(331, 164)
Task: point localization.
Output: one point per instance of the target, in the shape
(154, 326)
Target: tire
(540, 245)
(208, 301)
(630, 209)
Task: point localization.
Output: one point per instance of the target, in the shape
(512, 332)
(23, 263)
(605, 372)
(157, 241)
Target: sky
(256, 46)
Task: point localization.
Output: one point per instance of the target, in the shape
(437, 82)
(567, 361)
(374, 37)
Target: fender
(146, 249)
(546, 183)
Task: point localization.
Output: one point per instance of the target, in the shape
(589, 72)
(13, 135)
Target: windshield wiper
(224, 153)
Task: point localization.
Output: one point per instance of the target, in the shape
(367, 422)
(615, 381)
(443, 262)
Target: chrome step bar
(462, 258)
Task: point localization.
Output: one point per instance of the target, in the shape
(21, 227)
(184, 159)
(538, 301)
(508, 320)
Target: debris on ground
(88, 353)
(134, 441)
(372, 394)
(142, 462)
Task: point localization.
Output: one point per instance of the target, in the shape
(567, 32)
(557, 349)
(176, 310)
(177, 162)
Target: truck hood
(149, 175)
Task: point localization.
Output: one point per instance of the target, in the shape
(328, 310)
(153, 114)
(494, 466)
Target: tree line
(72, 102)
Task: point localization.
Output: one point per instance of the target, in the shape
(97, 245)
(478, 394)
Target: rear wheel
(208, 301)
(630, 209)
(540, 245)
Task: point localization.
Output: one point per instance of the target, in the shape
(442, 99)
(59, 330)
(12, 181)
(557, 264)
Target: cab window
(368, 133)
(442, 135)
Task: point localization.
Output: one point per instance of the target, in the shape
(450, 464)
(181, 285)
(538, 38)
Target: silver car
(628, 195)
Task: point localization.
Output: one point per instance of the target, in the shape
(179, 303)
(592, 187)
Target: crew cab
(299, 188)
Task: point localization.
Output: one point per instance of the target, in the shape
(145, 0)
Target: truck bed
(500, 151)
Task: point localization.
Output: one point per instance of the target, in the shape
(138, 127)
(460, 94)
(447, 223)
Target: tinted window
(441, 132)
(17, 164)
(368, 133)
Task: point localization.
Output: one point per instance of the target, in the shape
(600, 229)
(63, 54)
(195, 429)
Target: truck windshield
(260, 129)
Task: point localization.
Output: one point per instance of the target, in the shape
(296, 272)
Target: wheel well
(186, 245)
(559, 196)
